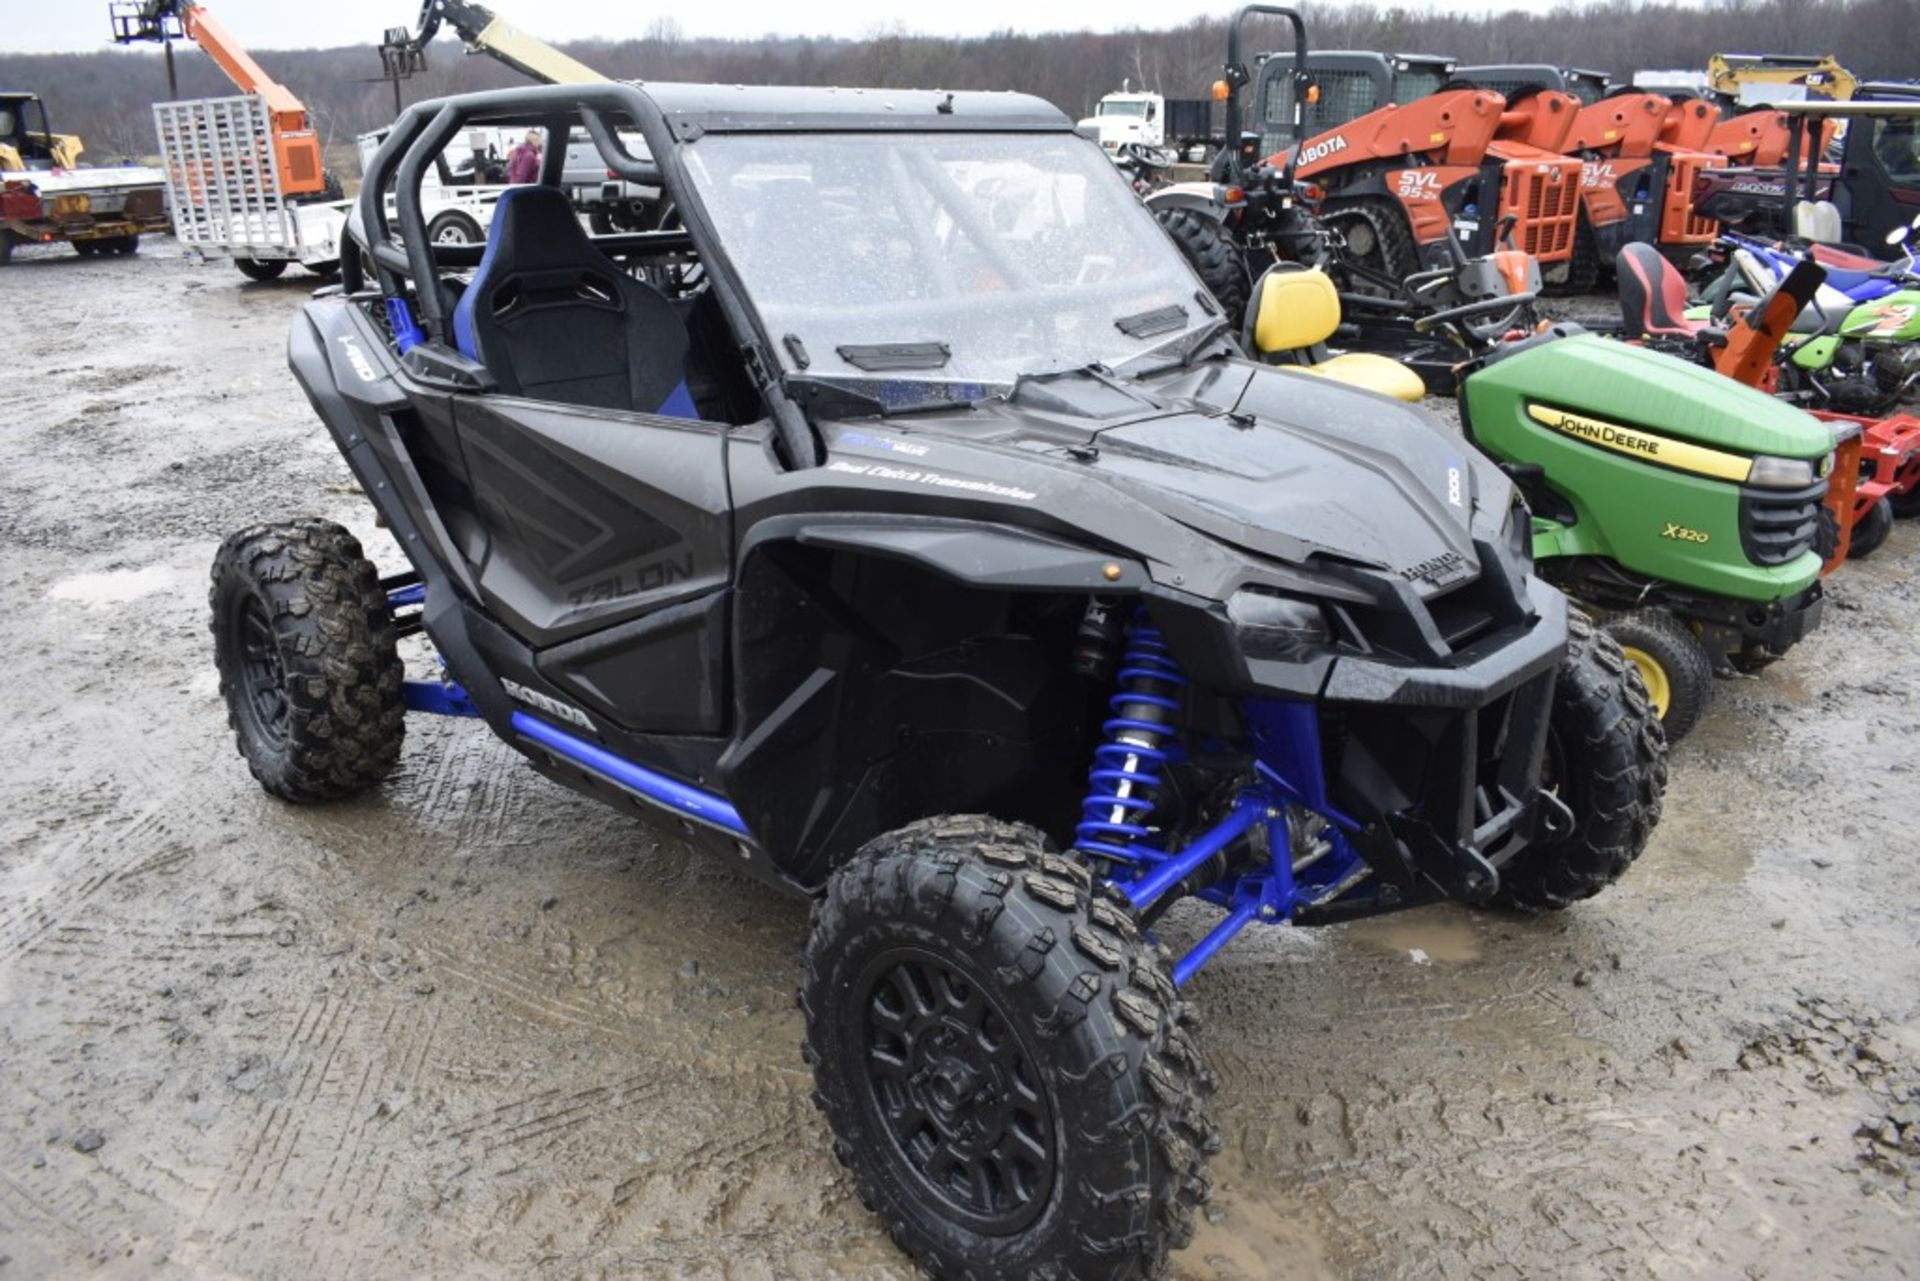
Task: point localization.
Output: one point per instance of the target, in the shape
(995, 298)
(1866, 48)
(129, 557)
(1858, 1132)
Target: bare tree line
(106, 96)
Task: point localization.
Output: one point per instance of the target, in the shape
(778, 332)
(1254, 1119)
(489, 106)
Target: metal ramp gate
(225, 181)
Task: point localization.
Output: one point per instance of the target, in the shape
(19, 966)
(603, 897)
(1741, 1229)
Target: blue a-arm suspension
(1309, 859)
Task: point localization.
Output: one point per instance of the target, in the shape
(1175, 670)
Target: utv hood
(1298, 467)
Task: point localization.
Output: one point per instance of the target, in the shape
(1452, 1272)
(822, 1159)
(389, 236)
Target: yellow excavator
(1758, 79)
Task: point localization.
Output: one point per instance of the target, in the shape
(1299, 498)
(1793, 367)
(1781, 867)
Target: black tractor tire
(1607, 758)
(969, 996)
(1214, 256)
(261, 269)
(1871, 530)
(127, 245)
(1387, 245)
(455, 228)
(1905, 505)
(6, 246)
(1675, 669)
(327, 270)
(88, 248)
(308, 658)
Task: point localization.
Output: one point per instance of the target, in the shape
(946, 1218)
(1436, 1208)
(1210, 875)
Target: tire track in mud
(521, 990)
(356, 1172)
(26, 922)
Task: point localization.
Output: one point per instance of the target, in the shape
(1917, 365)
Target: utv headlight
(1788, 473)
(1278, 627)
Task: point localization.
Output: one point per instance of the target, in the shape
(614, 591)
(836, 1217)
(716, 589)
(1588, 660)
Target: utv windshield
(965, 260)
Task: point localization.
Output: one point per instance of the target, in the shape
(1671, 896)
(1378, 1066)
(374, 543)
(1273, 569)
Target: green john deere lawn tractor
(1684, 506)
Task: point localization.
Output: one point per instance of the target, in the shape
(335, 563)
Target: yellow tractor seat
(1292, 313)
(1380, 374)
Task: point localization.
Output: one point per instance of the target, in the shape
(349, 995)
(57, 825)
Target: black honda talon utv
(905, 524)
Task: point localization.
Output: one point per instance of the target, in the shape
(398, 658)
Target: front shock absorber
(1127, 767)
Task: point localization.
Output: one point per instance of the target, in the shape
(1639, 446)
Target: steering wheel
(1458, 318)
(1147, 156)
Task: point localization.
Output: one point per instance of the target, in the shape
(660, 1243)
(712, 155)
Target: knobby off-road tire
(1674, 667)
(309, 661)
(968, 993)
(1607, 756)
(1211, 252)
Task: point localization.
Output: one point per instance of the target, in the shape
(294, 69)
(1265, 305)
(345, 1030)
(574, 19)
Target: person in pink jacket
(523, 166)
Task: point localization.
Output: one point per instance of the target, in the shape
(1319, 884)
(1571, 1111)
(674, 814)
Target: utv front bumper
(1442, 764)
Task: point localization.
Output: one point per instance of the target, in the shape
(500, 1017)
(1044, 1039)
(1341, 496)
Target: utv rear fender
(343, 365)
(357, 412)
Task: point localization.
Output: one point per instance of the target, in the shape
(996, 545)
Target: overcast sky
(47, 26)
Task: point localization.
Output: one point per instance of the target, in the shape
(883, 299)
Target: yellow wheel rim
(1659, 688)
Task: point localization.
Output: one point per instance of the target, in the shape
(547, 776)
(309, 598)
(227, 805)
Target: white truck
(1153, 120)
(223, 177)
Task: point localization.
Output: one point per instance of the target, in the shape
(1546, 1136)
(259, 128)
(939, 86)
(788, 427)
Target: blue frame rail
(668, 793)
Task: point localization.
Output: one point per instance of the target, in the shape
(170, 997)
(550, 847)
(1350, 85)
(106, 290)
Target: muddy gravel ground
(473, 1025)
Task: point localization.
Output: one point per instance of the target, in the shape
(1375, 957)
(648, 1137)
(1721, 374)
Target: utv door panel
(661, 674)
(592, 519)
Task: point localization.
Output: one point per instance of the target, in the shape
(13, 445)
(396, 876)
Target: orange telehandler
(296, 147)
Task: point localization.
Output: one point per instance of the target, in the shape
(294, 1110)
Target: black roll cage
(1236, 77)
(423, 132)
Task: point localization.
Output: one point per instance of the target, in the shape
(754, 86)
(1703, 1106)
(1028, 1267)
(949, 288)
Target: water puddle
(115, 586)
(1441, 936)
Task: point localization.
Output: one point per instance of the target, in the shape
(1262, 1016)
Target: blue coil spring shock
(1127, 767)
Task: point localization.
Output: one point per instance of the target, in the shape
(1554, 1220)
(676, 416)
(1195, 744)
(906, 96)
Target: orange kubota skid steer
(1401, 159)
